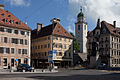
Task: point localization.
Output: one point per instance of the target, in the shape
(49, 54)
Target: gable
(59, 30)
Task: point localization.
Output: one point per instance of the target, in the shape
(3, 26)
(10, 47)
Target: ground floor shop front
(12, 62)
(45, 64)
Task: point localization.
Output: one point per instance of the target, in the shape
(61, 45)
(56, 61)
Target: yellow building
(51, 38)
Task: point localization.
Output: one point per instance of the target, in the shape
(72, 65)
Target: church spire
(81, 13)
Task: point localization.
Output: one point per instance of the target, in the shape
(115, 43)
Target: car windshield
(25, 65)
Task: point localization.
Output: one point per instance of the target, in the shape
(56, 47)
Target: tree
(76, 46)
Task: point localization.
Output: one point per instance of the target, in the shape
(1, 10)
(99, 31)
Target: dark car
(102, 66)
(25, 67)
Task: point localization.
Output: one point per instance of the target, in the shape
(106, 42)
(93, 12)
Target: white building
(81, 32)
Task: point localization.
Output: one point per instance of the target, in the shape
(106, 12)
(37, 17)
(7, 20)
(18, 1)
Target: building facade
(14, 40)
(104, 45)
(51, 38)
(81, 32)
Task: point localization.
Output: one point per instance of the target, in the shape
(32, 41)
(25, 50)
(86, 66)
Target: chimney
(2, 6)
(55, 20)
(98, 23)
(114, 24)
(39, 27)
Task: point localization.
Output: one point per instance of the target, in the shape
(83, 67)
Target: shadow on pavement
(113, 76)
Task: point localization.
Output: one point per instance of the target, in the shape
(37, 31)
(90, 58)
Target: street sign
(52, 56)
(16, 59)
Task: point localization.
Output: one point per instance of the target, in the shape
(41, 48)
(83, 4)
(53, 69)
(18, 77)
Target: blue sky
(42, 11)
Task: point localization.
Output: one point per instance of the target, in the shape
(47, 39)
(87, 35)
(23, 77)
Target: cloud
(107, 10)
(19, 2)
(71, 25)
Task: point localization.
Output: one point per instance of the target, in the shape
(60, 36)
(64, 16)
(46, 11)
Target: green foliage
(76, 46)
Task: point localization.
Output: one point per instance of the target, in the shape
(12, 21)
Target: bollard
(34, 70)
(23, 70)
(11, 70)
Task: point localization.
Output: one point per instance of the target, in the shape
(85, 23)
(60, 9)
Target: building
(104, 45)
(14, 40)
(81, 32)
(51, 38)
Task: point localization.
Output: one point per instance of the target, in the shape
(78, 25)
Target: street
(64, 75)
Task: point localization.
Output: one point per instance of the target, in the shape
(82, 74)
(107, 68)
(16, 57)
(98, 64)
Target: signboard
(16, 59)
(52, 56)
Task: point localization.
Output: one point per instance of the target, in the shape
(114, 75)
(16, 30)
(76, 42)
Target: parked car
(25, 67)
(102, 66)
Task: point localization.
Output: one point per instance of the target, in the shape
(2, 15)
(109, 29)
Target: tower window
(85, 27)
(78, 27)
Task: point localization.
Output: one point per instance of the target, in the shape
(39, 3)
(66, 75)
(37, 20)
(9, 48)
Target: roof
(80, 14)
(113, 30)
(9, 20)
(55, 29)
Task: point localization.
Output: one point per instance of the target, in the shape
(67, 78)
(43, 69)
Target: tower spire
(81, 8)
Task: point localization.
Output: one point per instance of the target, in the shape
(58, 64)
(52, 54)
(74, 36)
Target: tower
(81, 32)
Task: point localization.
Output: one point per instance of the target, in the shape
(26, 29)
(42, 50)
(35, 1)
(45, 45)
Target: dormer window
(2, 14)
(6, 20)
(12, 21)
(3, 20)
(9, 15)
(16, 22)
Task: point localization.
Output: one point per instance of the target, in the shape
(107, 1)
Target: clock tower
(81, 32)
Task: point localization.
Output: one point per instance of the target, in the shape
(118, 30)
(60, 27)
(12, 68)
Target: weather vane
(81, 8)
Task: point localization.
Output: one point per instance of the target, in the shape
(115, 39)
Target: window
(28, 33)
(60, 39)
(64, 39)
(69, 54)
(64, 46)
(1, 50)
(12, 50)
(48, 38)
(9, 15)
(78, 27)
(45, 46)
(41, 46)
(85, 27)
(5, 40)
(14, 40)
(60, 53)
(16, 31)
(6, 50)
(25, 42)
(48, 45)
(24, 51)
(12, 62)
(60, 45)
(19, 51)
(65, 54)
(21, 41)
(1, 29)
(22, 32)
(9, 31)
(5, 62)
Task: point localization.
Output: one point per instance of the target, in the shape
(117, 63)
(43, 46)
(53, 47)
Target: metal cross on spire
(81, 8)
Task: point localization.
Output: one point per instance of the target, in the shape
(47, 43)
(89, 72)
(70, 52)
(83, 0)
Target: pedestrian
(8, 66)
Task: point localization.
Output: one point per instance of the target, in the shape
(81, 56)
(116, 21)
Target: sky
(42, 11)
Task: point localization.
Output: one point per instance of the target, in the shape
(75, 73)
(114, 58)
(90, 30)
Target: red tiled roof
(59, 30)
(55, 29)
(4, 14)
(111, 28)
